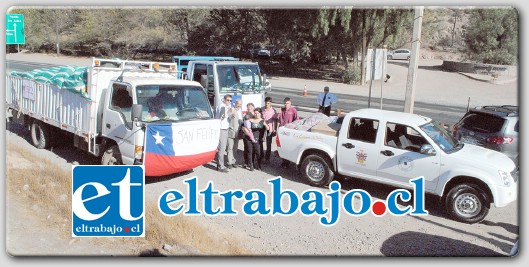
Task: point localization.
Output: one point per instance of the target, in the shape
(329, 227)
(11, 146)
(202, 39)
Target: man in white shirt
(235, 122)
(325, 100)
(221, 112)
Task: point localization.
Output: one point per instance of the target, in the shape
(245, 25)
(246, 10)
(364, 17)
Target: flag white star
(158, 138)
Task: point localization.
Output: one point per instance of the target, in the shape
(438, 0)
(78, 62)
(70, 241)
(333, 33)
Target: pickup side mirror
(427, 149)
(137, 109)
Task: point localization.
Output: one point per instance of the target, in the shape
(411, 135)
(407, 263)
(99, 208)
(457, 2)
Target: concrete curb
(484, 78)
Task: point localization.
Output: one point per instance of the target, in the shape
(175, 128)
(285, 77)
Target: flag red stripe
(158, 165)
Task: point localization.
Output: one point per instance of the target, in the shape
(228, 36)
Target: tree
(289, 32)
(457, 15)
(237, 29)
(492, 36)
(354, 29)
(48, 26)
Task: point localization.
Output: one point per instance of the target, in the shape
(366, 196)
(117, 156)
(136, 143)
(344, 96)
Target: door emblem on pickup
(405, 163)
(361, 156)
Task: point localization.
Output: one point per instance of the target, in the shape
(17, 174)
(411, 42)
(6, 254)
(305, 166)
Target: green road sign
(15, 29)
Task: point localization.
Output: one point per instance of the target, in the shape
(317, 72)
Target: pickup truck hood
(483, 156)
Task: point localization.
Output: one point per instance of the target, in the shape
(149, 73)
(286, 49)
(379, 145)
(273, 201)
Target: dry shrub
(187, 232)
(44, 190)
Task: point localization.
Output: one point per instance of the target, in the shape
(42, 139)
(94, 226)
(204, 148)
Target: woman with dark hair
(270, 116)
(249, 115)
(254, 129)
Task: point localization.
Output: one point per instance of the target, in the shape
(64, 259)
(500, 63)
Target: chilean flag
(177, 147)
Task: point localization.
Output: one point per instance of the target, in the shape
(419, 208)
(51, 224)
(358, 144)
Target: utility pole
(374, 61)
(414, 60)
(364, 49)
(384, 60)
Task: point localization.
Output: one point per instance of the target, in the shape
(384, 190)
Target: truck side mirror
(427, 149)
(137, 109)
(266, 83)
(207, 82)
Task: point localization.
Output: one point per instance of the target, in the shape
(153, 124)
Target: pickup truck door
(117, 124)
(357, 148)
(400, 159)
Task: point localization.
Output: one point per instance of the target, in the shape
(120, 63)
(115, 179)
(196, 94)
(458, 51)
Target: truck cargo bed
(62, 108)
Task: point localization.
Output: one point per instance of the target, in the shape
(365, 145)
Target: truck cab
(161, 101)
(242, 80)
(137, 99)
(182, 62)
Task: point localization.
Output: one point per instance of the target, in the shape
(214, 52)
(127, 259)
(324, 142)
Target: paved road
(25, 65)
(442, 96)
(443, 113)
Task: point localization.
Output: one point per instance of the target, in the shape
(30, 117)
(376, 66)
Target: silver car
(493, 127)
(399, 54)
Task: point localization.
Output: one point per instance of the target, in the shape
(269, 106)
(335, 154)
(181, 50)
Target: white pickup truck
(392, 148)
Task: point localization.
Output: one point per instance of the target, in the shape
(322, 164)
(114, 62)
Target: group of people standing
(257, 126)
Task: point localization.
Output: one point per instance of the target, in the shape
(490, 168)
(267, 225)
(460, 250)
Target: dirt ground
(29, 233)
(268, 236)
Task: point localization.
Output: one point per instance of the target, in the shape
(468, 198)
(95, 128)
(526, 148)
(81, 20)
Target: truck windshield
(239, 78)
(440, 136)
(173, 103)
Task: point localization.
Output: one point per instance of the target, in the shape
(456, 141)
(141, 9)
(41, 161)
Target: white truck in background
(110, 116)
(243, 80)
(393, 148)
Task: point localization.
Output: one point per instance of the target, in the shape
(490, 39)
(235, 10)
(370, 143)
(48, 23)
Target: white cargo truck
(393, 148)
(114, 117)
(243, 80)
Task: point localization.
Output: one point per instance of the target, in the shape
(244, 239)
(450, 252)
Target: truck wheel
(111, 156)
(316, 170)
(40, 135)
(467, 203)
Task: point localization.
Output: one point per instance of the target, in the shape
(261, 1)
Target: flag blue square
(108, 201)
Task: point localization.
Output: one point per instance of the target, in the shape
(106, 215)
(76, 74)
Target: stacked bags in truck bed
(72, 78)
(319, 123)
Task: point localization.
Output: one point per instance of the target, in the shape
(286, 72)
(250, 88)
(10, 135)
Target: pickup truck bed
(317, 128)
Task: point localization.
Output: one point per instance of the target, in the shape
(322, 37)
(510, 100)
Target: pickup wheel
(467, 203)
(40, 135)
(316, 170)
(111, 156)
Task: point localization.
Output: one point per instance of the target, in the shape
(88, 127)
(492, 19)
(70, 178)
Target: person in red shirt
(287, 115)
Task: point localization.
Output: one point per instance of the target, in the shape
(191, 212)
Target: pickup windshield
(440, 136)
(173, 103)
(239, 78)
